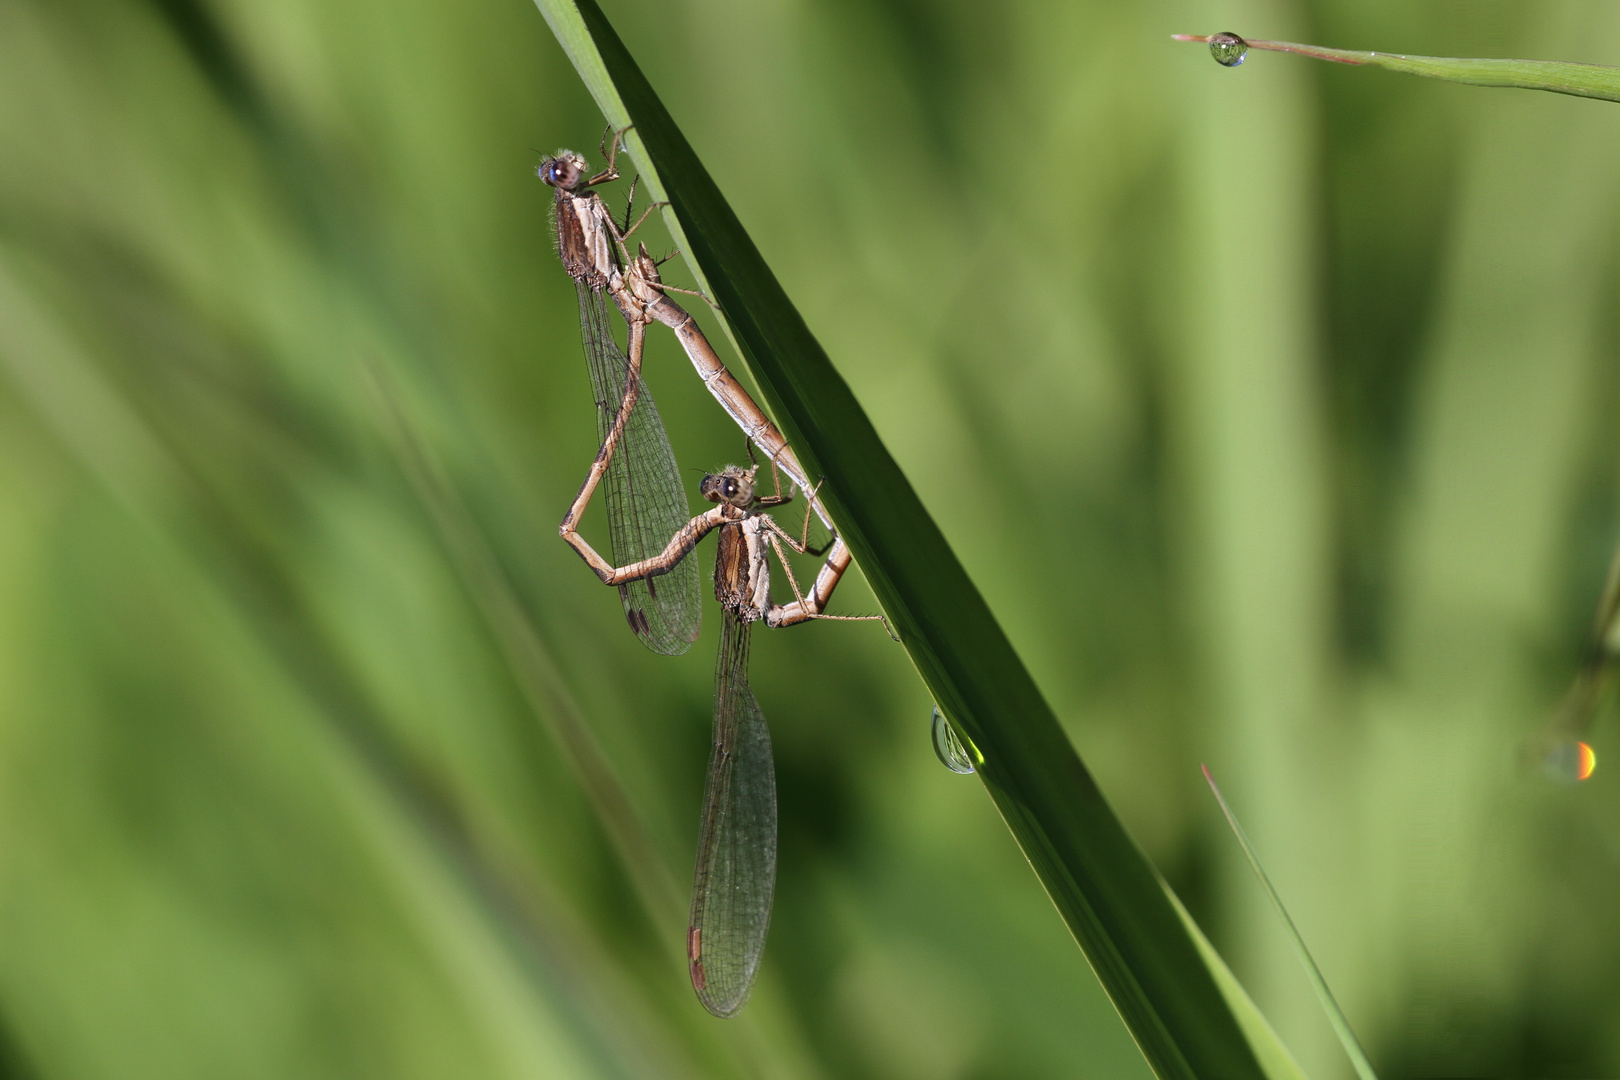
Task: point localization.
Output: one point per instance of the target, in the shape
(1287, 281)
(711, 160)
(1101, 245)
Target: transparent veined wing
(736, 865)
(645, 500)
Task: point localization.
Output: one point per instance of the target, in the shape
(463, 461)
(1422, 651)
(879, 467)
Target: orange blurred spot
(1586, 762)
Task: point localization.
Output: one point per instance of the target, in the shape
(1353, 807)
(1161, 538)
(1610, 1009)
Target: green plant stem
(1555, 76)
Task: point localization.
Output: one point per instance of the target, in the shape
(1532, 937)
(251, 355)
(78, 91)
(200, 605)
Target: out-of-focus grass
(1268, 407)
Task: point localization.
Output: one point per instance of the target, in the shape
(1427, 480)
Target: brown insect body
(742, 568)
(585, 230)
(583, 241)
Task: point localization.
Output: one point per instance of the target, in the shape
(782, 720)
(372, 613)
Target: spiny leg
(799, 544)
(812, 609)
(699, 293)
(777, 499)
(611, 153)
(628, 204)
(804, 536)
(629, 228)
(689, 292)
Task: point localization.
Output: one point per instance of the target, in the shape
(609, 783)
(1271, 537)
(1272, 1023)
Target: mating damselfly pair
(651, 537)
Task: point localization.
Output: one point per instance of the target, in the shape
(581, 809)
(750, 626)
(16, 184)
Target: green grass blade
(1274, 1056)
(1556, 76)
(1335, 1015)
(1110, 896)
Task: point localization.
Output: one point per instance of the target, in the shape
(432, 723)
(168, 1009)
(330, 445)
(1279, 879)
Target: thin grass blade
(1335, 1015)
(1555, 76)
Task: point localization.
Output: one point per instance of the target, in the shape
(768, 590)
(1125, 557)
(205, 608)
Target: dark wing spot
(694, 953)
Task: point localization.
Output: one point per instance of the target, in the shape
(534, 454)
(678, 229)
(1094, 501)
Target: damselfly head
(563, 171)
(731, 485)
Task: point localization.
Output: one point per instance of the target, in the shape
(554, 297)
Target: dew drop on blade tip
(1228, 49)
(952, 754)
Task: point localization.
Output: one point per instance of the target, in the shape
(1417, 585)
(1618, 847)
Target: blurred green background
(1272, 409)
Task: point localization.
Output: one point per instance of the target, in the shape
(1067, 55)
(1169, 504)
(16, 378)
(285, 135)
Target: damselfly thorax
(742, 566)
(587, 236)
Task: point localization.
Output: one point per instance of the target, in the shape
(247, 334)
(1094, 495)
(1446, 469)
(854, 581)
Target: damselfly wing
(646, 503)
(735, 879)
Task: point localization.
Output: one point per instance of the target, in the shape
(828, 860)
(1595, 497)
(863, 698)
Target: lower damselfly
(735, 879)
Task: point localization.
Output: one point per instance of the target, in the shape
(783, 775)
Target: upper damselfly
(646, 501)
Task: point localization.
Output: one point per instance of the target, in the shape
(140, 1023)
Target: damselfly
(646, 502)
(736, 868)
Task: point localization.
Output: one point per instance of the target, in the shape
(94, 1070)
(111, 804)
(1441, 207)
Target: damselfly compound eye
(1228, 49)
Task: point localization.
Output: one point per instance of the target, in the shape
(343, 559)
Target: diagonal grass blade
(1112, 899)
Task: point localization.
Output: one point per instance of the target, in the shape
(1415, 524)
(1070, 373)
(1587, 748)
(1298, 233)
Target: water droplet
(1228, 49)
(1570, 762)
(952, 754)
